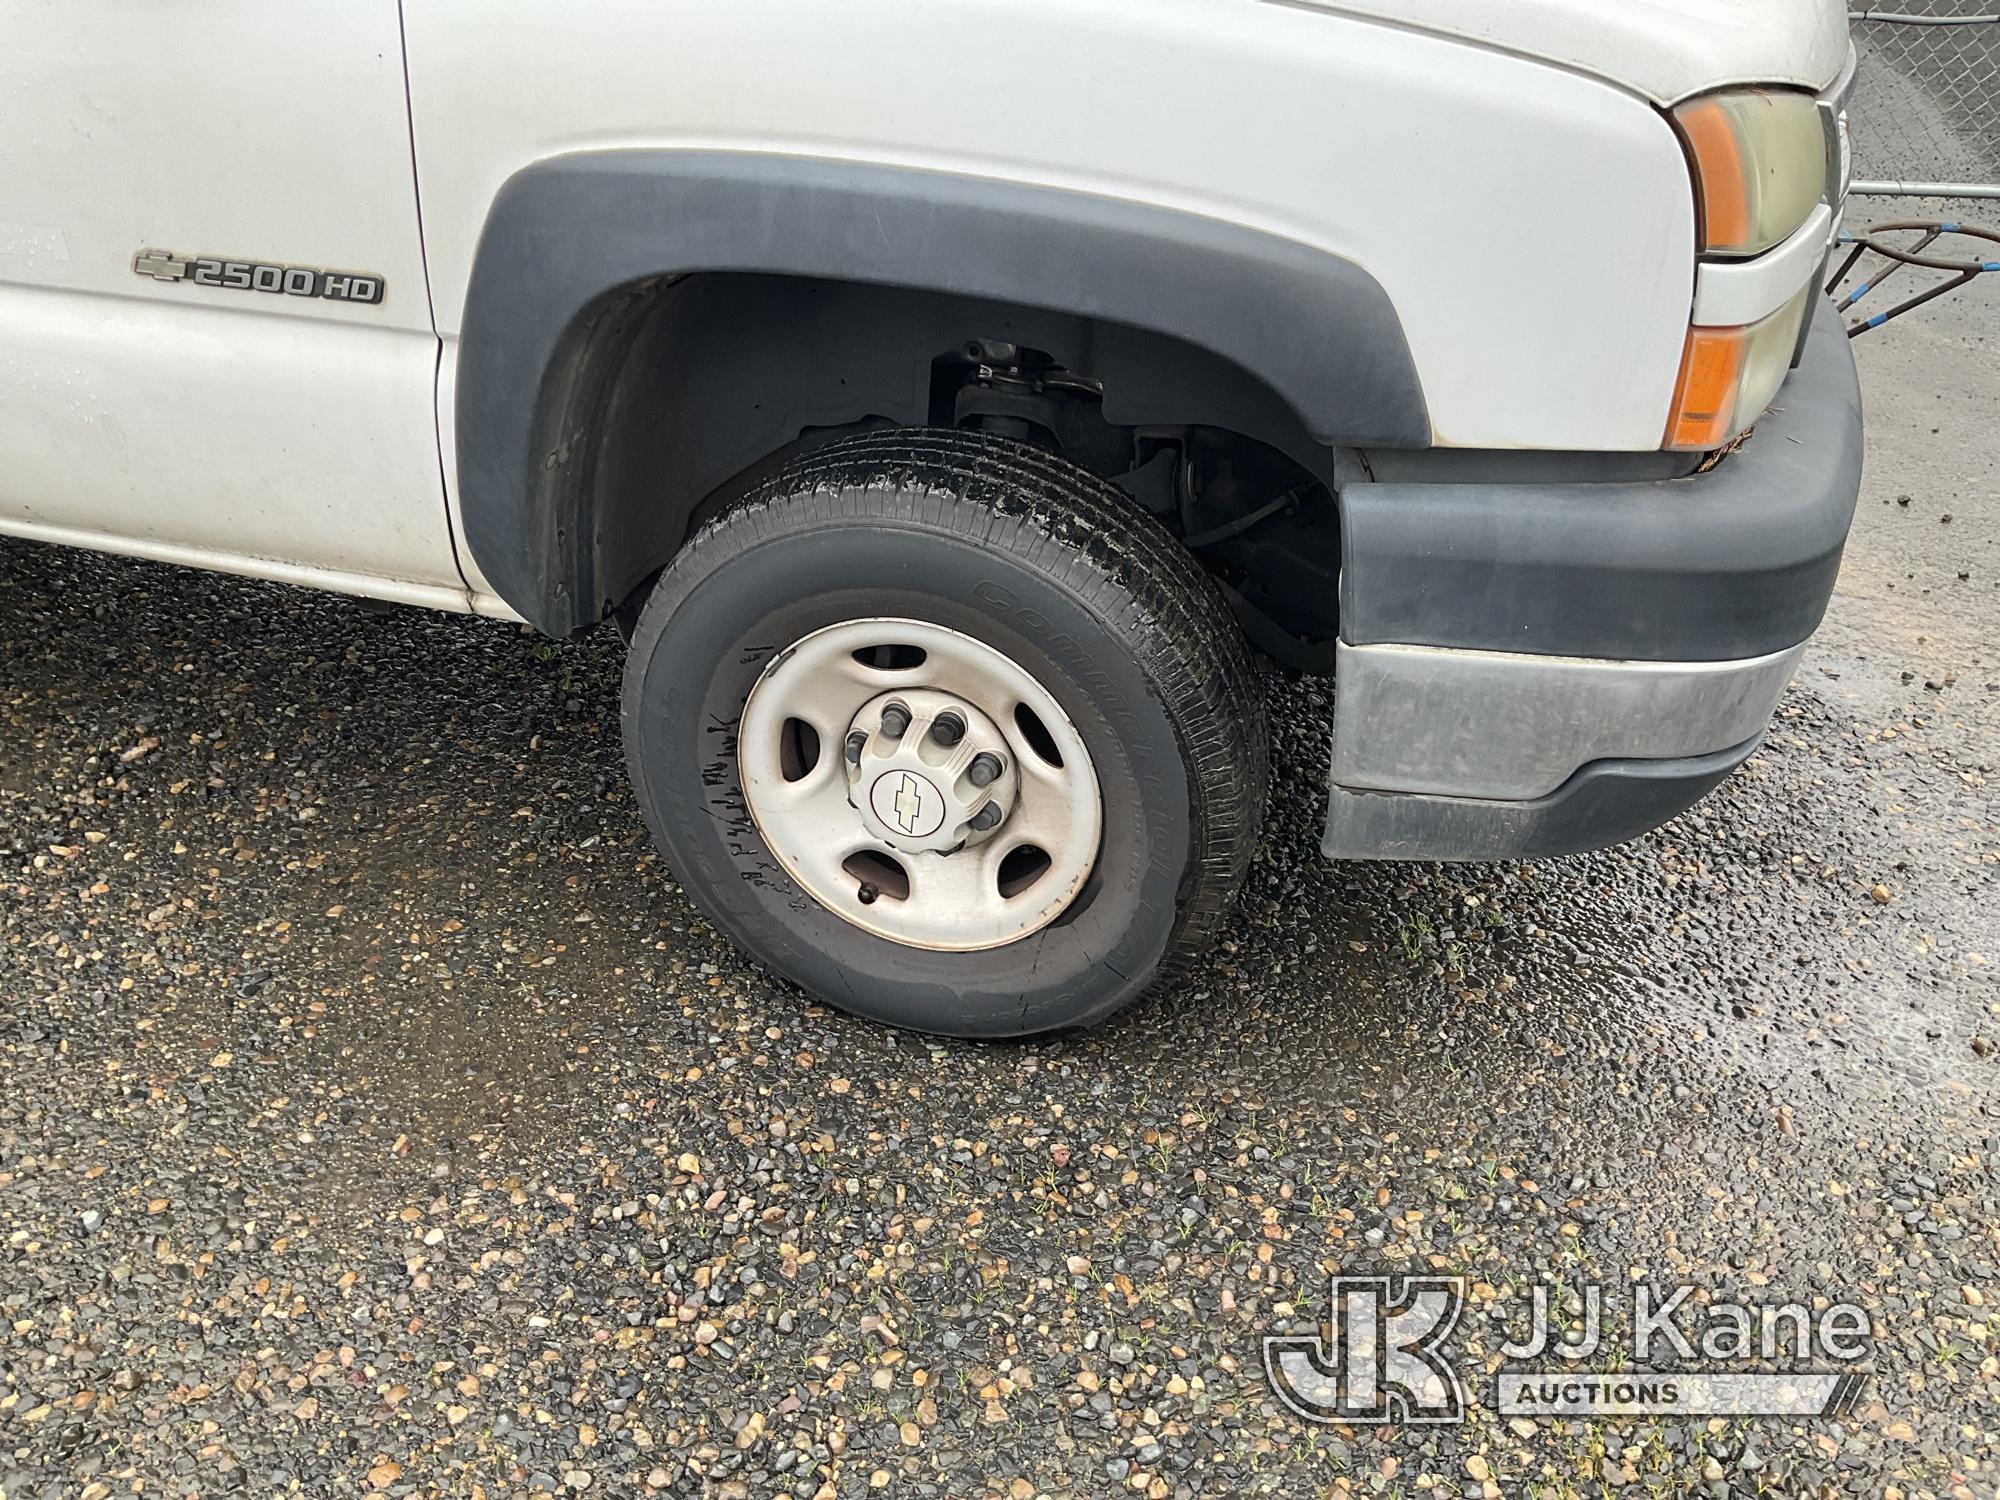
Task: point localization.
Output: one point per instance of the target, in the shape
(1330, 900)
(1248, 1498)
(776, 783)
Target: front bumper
(1535, 669)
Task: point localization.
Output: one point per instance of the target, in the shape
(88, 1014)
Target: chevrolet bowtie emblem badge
(909, 803)
(160, 265)
(906, 803)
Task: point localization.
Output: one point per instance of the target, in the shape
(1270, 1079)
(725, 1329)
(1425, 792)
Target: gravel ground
(378, 1116)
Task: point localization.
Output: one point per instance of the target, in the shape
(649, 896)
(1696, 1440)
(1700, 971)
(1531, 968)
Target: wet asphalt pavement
(378, 1116)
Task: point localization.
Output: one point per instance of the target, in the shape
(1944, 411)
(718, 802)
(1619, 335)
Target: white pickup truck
(953, 402)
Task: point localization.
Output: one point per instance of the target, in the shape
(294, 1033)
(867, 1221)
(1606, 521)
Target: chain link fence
(1924, 116)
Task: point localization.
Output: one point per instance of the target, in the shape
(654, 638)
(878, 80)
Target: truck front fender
(572, 238)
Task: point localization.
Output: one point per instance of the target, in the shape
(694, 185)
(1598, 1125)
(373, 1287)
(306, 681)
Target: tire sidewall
(720, 615)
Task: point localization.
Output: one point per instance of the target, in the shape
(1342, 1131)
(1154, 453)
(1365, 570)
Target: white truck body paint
(1502, 170)
(1663, 49)
(449, 597)
(1732, 293)
(483, 601)
(238, 429)
(1554, 208)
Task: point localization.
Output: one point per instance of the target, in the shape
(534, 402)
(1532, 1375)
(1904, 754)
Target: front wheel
(944, 730)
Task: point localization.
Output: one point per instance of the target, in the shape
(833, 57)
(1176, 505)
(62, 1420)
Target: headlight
(1759, 158)
(1729, 375)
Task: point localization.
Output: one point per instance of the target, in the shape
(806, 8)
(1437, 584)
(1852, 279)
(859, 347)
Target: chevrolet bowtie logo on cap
(909, 803)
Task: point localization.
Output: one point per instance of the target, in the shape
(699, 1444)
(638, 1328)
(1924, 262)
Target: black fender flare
(568, 233)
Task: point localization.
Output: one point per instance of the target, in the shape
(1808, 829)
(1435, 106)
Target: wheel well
(669, 397)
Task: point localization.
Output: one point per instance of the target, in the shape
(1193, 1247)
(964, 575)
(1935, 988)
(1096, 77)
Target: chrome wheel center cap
(928, 772)
(908, 802)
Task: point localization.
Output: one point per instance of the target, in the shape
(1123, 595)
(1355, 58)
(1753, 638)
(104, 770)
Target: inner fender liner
(568, 235)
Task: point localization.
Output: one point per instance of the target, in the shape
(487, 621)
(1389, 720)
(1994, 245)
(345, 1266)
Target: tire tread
(1075, 528)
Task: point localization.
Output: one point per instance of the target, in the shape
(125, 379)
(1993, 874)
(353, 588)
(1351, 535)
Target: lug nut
(948, 729)
(987, 817)
(856, 743)
(985, 769)
(895, 721)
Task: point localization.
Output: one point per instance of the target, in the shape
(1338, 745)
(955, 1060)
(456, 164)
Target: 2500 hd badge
(260, 276)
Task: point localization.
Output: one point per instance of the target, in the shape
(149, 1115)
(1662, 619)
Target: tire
(966, 536)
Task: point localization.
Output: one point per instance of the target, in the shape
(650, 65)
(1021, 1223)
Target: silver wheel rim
(898, 833)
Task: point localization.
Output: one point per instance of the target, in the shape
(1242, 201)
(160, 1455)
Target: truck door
(215, 338)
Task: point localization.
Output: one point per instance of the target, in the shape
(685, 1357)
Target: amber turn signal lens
(1729, 375)
(1759, 163)
(1705, 394)
(1719, 173)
